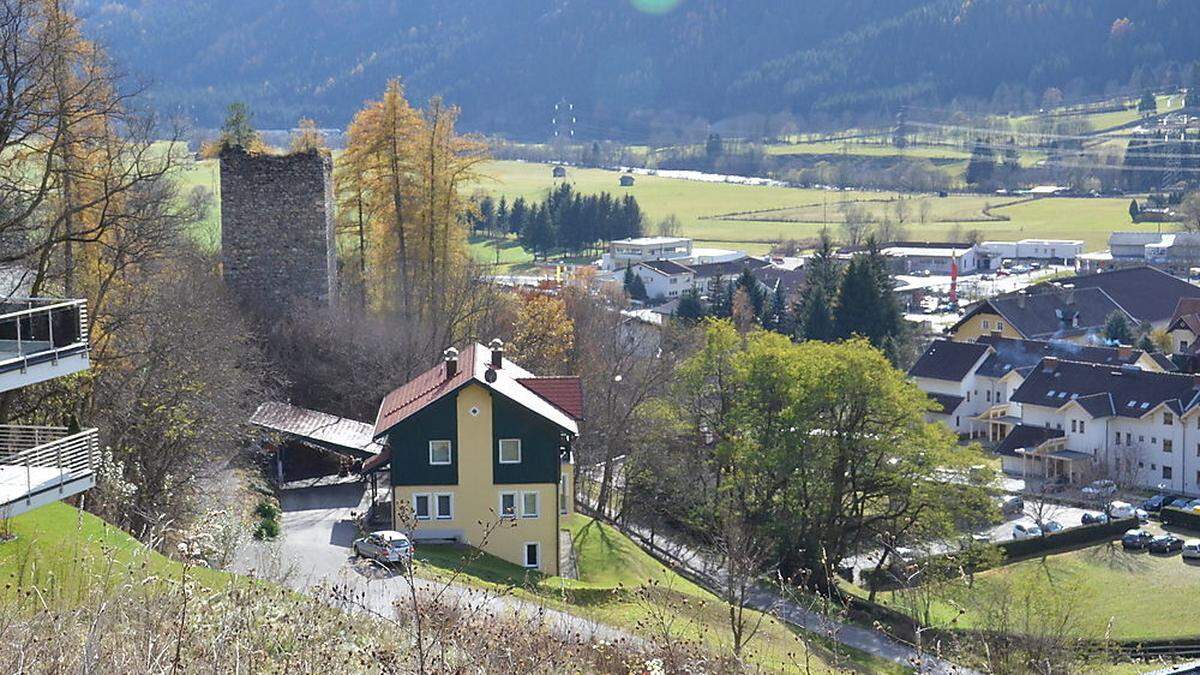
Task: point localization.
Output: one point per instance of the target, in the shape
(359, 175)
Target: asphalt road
(314, 556)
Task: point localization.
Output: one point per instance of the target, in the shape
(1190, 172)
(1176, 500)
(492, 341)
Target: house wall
(666, 286)
(476, 495)
(982, 324)
(1141, 454)
(1181, 339)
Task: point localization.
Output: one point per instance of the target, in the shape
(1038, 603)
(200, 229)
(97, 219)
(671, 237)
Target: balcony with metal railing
(40, 339)
(39, 465)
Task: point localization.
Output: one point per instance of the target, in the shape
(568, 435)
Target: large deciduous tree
(817, 447)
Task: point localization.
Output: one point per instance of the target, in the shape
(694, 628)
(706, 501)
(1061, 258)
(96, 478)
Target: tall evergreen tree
(517, 218)
(777, 317)
(637, 288)
(816, 317)
(754, 291)
(982, 165)
(722, 298)
(690, 309)
(502, 216)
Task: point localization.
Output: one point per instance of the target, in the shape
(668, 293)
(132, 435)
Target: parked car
(386, 546)
(1012, 504)
(1002, 273)
(1120, 510)
(1094, 518)
(1100, 488)
(1142, 515)
(1136, 539)
(1157, 502)
(1026, 531)
(1178, 503)
(1166, 543)
(1051, 526)
(1191, 549)
(1192, 505)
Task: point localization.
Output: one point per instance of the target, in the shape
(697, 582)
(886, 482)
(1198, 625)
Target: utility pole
(562, 125)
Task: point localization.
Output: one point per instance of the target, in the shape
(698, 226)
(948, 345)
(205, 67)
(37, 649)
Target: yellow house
(479, 450)
(1041, 313)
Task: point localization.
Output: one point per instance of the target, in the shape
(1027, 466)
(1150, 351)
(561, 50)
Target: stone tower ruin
(278, 243)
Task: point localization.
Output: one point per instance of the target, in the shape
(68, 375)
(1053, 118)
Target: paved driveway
(314, 556)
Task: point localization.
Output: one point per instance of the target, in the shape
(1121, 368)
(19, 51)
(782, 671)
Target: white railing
(34, 328)
(38, 449)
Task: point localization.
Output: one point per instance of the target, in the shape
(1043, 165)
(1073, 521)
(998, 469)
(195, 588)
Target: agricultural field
(751, 218)
(872, 149)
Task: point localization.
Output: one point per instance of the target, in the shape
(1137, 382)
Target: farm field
(778, 212)
(867, 150)
(1131, 595)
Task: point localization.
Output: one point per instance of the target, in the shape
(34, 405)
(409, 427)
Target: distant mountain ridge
(506, 63)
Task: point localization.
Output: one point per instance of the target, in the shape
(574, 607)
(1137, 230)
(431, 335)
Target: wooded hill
(634, 66)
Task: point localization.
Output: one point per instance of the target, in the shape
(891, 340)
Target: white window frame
(437, 498)
(449, 453)
(428, 506)
(537, 546)
(537, 503)
(500, 450)
(516, 505)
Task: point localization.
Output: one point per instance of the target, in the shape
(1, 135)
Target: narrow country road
(770, 600)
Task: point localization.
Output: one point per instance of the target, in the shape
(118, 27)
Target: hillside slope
(630, 66)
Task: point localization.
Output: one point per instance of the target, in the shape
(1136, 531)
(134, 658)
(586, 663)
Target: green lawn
(63, 551)
(1129, 595)
(614, 575)
(860, 149)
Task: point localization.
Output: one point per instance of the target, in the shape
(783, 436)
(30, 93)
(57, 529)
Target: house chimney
(450, 356)
(1125, 352)
(1021, 300)
(497, 347)
(1050, 364)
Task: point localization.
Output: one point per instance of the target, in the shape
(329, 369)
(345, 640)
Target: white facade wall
(664, 286)
(1147, 445)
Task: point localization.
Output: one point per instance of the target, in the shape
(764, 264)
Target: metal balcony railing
(36, 460)
(36, 330)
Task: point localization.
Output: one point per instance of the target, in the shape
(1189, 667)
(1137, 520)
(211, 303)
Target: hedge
(1188, 520)
(1069, 538)
(1016, 550)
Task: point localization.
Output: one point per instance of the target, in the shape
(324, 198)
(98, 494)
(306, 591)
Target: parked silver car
(385, 546)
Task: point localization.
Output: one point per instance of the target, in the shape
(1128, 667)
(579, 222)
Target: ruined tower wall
(277, 228)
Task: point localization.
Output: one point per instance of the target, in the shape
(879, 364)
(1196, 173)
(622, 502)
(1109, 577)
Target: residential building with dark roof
(1134, 426)
(479, 451)
(981, 376)
(1077, 308)
(664, 279)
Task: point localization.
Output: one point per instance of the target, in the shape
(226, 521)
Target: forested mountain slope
(629, 64)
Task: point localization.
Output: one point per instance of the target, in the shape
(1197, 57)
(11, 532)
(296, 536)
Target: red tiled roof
(565, 393)
(429, 386)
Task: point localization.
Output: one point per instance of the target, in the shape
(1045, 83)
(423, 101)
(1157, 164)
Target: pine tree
(857, 301)
(754, 291)
(518, 217)
(501, 217)
(628, 282)
(816, 320)
(690, 309)
(1148, 105)
(1117, 330)
(777, 317)
(637, 288)
(722, 298)
(1134, 210)
(982, 165)
(238, 130)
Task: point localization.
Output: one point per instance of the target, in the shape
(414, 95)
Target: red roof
(411, 397)
(379, 460)
(566, 393)
(559, 399)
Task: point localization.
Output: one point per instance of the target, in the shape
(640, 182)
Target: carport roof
(318, 427)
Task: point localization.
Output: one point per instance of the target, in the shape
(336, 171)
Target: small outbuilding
(626, 180)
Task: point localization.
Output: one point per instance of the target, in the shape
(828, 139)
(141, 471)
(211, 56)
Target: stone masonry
(277, 229)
